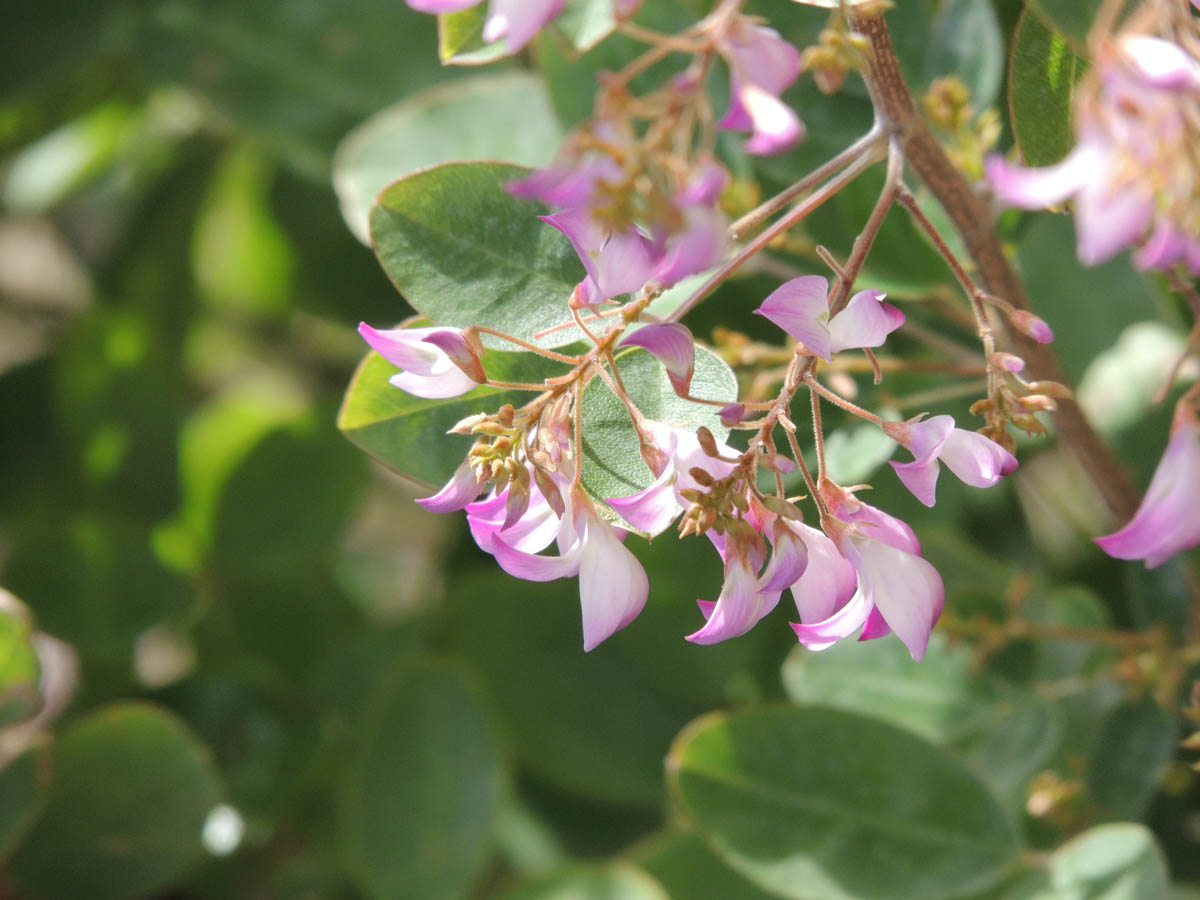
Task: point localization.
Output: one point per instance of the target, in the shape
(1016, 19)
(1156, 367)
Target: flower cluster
(1134, 170)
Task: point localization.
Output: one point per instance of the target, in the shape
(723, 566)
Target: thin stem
(807, 475)
(768, 208)
(839, 400)
(818, 432)
(582, 327)
(796, 214)
(840, 295)
(533, 348)
(601, 315)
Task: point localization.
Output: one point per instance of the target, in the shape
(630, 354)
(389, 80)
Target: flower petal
(673, 344)
(788, 560)
(450, 384)
(1036, 188)
(800, 307)
(920, 477)
(518, 20)
(865, 322)
(976, 460)
(739, 606)
(653, 509)
(828, 580)
(906, 589)
(1106, 220)
(612, 583)
(842, 623)
(460, 490)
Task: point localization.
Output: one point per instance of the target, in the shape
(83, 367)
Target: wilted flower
(801, 308)
(1168, 519)
(1134, 170)
(975, 459)
(437, 362)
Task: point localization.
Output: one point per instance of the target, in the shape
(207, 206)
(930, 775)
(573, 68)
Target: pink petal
(976, 460)
(865, 322)
(440, 6)
(450, 384)
(675, 348)
(1106, 221)
(404, 348)
(653, 509)
(876, 626)
(518, 20)
(759, 56)
(1036, 188)
(705, 186)
(925, 438)
(920, 477)
(1168, 519)
(700, 246)
(1166, 246)
(460, 490)
(843, 623)
(776, 127)
(800, 307)
(788, 561)
(739, 606)
(905, 588)
(1160, 63)
(459, 351)
(585, 235)
(878, 525)
(612, 583)
(828, 580)
(534, 531)
(532, 567)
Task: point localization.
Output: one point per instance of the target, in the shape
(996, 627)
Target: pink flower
(616, 262)
(515, 20)
(1131, 174)
(675, 348)
(801, 308)
(761, 66)
(975, 459)
(1168, 519)
(463, 487)
(612, 583)
(654, 508)
(437, 362)
(742, 601)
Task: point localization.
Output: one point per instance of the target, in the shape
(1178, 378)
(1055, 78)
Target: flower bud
(1031, 326)
(1007, 361)
(550, 491)
(708, 443)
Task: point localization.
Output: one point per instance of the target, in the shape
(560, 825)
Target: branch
(973, 219)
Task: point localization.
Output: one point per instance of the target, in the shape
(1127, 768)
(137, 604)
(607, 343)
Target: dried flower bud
(1031, 326)
(550, 491)
(708, 443)
(467, 425)
(504, 415)
(1037, 403)
(701, 477)
(1052, 389)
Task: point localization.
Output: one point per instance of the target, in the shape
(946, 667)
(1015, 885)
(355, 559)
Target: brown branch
(973, 219)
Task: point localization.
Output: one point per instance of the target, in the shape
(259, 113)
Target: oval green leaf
(612, 461)
(1042, 75)
(1115, 862)
(464, 252)
(1129, 757)
(20, 694)
(130, 795)
(813, 802)
(472, 118)
(418, 797)
(24, 785)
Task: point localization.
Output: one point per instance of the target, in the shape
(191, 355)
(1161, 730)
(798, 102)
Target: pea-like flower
(1133, 172)
(761, 66)
(437, 362)
(975, 459)
(801, 308)
(1168, 519)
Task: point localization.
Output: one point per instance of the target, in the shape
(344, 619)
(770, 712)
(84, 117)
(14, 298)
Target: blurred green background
(291, 681)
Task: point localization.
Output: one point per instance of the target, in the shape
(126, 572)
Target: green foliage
(791, 796)
(24, 782)
(19, 669)
(1042, 76)
(619, 881)
(417, 799)
(131, 791)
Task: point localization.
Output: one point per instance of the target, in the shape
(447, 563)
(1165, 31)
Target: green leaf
(612, 461)
(418, 796)
(460, 39)
(408, 433)
(1122, 383)
(852, 454)
(1006, 734)
(20, 694)
(1072, 18)
(796, 799)
(1109, 862)
(24, 784)
(585, 23)
(502, 117)
(966, 41)
(131, 791)
(1042, 75)
(686, 867)
(464, 252)
(613, 881)
(1129, 757)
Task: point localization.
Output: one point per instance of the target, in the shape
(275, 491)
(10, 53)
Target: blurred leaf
(24, 784)
(265, 522)
(464, 252)
(686, 867)
(586, 23)
(503, 117)
(1120, 385)
(1072, 18)
(853, 454)
(612, 459)
(46, 37)
(20, 695)
(1108, 862)
(131, 791)
(613, 881)
(241, 258)
(1129, 757)
(1043, 72)
(422, 787)
(791, 797)
(298, 75)
(1058, 282)
(965, 40)
(460, 38)
(408, 433)
(1004, 733)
